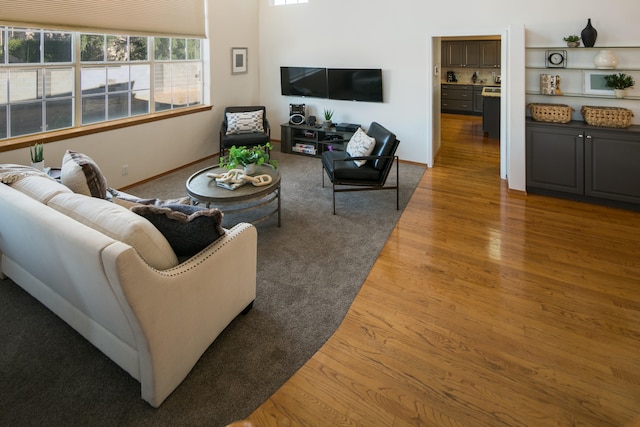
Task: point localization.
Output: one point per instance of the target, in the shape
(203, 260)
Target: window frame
(76, 66)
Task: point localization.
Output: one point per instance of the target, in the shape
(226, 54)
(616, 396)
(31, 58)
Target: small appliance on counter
(451, 77)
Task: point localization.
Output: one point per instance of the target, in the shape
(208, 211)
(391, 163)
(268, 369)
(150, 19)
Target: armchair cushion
(341, 168)
(360, 145)
(385, 142)
(245, 122)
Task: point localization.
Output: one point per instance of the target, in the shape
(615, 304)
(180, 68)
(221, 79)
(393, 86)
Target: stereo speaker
(296, 119)
(297, 114)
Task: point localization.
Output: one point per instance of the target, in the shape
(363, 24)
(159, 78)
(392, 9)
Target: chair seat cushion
(348, 171)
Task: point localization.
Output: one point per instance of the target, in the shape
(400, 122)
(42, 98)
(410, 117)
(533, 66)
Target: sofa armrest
(177, 313)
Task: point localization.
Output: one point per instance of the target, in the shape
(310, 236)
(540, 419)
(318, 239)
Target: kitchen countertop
(470, 84)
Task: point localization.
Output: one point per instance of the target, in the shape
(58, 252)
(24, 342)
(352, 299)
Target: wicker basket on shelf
(551, 113)
(610, 117)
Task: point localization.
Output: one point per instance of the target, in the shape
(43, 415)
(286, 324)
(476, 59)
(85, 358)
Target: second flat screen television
(351, 84)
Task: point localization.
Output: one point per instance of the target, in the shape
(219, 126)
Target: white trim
(512, 111)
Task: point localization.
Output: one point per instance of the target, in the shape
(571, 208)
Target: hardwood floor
(485, 308)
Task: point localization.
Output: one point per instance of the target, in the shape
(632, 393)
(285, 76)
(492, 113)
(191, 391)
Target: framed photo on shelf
(238, 60)
(594, 82)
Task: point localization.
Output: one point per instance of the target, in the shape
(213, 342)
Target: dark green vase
(589, 35)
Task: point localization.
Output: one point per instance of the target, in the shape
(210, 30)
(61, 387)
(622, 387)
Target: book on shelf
(304, 148)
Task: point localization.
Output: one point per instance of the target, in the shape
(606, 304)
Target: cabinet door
(454, 54)
(555, 159)
(612, 165)
(490, 54)
(478, 100)
(472, 54)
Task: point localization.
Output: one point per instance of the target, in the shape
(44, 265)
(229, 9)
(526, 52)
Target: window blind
(166, 17)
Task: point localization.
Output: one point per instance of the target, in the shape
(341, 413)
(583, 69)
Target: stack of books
(304, 148)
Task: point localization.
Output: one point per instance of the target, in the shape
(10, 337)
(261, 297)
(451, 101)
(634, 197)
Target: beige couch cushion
(118, 223)
(40, 188)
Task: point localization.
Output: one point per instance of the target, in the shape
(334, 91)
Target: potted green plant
(328, 114)
(37, 156)
(619, 83)
(572, 40)
(249, 158)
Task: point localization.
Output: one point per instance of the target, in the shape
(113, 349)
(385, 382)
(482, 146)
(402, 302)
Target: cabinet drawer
(457, 94)
(457, 105)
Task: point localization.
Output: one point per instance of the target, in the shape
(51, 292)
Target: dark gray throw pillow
(187, 228)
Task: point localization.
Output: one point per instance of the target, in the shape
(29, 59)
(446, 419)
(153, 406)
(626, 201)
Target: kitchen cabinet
(491, 116)
(456, 98)
(490, 54)
(461, 53)
(598, 164)
(477, 99)
(471, 53)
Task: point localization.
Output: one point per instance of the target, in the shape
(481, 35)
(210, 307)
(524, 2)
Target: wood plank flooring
(485, 308)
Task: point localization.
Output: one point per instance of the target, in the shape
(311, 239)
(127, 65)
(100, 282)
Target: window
(283, 2)
(115, 75)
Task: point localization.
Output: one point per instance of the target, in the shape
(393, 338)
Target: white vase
(38, 165)
(250, 169)
(620, 93)
(605, 60)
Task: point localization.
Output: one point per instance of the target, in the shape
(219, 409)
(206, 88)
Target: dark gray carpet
(309, 271)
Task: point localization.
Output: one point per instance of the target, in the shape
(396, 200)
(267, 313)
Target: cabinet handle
(581, 136)
(588, 136)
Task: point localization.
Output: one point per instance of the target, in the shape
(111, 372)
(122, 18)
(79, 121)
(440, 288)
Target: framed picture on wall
(238, 60)
(595, 84)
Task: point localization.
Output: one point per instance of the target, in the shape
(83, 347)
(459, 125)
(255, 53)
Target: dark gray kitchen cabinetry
(575, 158)
(490, 54)
(461, 53)
(477, 99)
(456, 98)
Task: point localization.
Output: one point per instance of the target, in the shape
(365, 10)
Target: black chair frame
(364, 185)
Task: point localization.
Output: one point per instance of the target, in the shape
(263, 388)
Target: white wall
(157, 147)
(394, 36)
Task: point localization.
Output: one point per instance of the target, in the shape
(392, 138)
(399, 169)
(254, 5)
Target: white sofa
(153, 322)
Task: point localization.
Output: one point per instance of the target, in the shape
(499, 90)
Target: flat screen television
(353, 84)
(304, 81)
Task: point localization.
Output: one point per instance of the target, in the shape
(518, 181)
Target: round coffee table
(204, 189)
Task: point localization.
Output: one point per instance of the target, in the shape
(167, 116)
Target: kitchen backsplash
(463, 75)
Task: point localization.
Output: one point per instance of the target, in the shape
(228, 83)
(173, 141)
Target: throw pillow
(82, 175)
(187, 228)
(245, 122)
(128, 200)
(360, 145)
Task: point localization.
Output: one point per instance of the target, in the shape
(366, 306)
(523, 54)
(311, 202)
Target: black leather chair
(247, 139)
(345, 175)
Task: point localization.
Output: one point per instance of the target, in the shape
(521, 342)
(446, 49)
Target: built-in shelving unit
(575, 74)
(575, 159)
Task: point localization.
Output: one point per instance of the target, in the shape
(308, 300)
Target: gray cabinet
(311, 140)
(490, 54)
(477, 99)
(461, 53)
(471, 53)
(456, 98)
(575, 158)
